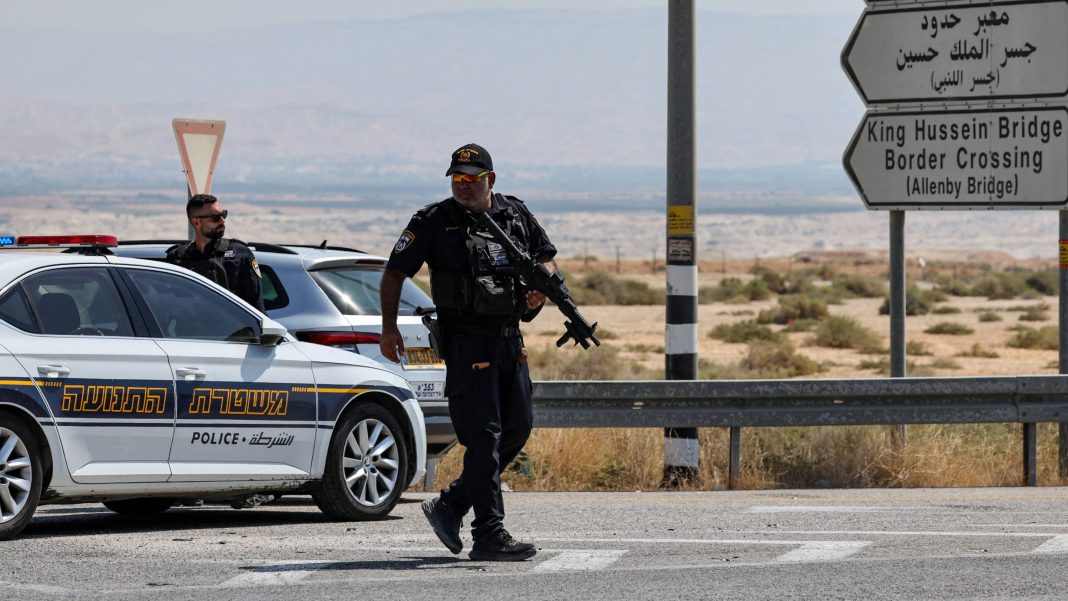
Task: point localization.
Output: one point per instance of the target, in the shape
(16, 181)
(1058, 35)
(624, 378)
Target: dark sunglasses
(216, 217)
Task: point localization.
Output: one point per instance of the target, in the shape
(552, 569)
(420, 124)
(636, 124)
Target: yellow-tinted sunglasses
(463, 177)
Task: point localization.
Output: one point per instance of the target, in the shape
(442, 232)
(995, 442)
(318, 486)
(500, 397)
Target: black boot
(501, 547)
(446, 524)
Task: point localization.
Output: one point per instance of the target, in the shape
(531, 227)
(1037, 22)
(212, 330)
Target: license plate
(429, 390)
(422, 357)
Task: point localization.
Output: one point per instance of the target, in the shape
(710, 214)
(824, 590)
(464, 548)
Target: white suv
(330, 295)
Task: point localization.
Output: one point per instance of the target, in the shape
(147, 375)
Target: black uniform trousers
(490, 405)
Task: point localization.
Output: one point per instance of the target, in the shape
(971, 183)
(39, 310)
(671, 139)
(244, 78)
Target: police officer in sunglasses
(479, 307)
(226, 261)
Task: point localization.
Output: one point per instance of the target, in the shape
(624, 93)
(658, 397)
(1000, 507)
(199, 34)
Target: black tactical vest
(489, 287)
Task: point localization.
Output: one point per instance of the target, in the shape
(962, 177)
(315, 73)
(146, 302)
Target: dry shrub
(949, 328)
(793, 307)
(978, 351)
(574, 363)
(838, 331)
(986, 316)
(601, 288)
(862, 286)
(1045, 338)
(743, 331)
(620, 459)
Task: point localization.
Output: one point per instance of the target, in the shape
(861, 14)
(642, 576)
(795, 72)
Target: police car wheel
(140, 507)
(366, 466)
(20, 476)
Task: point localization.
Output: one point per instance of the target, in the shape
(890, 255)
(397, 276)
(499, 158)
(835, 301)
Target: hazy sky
(200, 15)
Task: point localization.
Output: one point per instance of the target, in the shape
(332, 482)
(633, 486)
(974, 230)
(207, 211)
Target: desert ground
(638, 331)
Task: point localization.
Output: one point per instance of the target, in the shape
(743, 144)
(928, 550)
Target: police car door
(111, 391)
(245, 410)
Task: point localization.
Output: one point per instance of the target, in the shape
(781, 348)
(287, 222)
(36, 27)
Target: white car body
(162, 407)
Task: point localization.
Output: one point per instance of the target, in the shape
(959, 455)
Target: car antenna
(323, 245)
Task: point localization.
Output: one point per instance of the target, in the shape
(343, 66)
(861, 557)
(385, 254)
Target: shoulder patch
(256, 268)
(405, 240)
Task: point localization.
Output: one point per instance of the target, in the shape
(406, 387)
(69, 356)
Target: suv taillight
(342, 340)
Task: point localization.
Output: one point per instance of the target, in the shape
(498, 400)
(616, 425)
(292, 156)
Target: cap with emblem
(471, 159)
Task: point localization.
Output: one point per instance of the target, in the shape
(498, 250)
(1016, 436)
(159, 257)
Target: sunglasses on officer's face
(463, 177)
(216, 217)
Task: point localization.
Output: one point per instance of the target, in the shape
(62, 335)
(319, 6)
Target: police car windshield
(355, 291)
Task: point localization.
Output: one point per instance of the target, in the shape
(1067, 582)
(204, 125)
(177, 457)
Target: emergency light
(89, 240)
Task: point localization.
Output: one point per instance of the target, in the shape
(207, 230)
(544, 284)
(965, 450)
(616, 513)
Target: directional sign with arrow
(1012, 158)
(997, 50)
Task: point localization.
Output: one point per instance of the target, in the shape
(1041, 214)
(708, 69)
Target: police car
(140, 384)
(330, 295)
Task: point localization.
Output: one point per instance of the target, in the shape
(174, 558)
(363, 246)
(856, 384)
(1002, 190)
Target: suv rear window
(355, 291)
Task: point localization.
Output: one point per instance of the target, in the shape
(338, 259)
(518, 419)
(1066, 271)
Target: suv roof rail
(324, 247)
(271, 248)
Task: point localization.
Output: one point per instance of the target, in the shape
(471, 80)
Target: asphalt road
(1007, 543)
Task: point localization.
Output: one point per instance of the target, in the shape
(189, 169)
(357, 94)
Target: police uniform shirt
(240, 272)
(437, 235)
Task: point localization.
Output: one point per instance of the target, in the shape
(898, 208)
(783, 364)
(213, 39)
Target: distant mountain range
(571, 103)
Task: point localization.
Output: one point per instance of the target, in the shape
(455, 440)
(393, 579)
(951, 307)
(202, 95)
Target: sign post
(967, 109)
(198, 145)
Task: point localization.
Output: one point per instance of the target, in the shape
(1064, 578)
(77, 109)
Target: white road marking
(821, 508)
(904, 533)
(580, 560)
(40, 588)
(688, 541)
(275, 574)
(822, 551)
(1057, 544)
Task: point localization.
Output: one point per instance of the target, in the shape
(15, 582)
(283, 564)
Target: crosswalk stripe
(580, 560)
(822, 551)
(274, 574)
(1057, 544)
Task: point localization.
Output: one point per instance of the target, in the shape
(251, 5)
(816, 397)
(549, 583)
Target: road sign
(1010, 158)
(995, 50)
(199, 143)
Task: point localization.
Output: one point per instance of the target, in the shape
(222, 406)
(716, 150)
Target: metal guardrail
(761, 403)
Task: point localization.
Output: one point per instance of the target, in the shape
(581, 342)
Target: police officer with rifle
(481, 293)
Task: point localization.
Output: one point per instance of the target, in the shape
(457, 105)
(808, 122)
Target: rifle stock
(551, 284)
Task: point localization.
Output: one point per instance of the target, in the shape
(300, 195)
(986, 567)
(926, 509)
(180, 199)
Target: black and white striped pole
(681, 451)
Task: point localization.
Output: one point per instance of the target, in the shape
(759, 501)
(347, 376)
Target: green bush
(945, 310)
(801, 325)
(950, 328)
(1034, 314)
(1046, 282)
(765, 360)
(601, 288)
(917, 348)
(1000, 286)
(597, 363)
(793, 283)
(734, 290)
(978, 351)
(845, 332)
(917, 301)
(743, 331)
(860, 286)
(989, 316)
(778, 360)
(793, 307)
(1044, 338)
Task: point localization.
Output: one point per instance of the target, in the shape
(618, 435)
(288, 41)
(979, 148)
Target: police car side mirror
(272, 333)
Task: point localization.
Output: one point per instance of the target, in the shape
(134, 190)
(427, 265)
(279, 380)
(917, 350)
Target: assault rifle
(537, 276)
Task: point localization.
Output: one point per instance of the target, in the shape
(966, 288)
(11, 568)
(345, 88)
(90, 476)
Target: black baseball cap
(471, 159)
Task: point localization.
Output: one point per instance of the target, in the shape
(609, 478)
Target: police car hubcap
(16, 474)
(371, 463)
